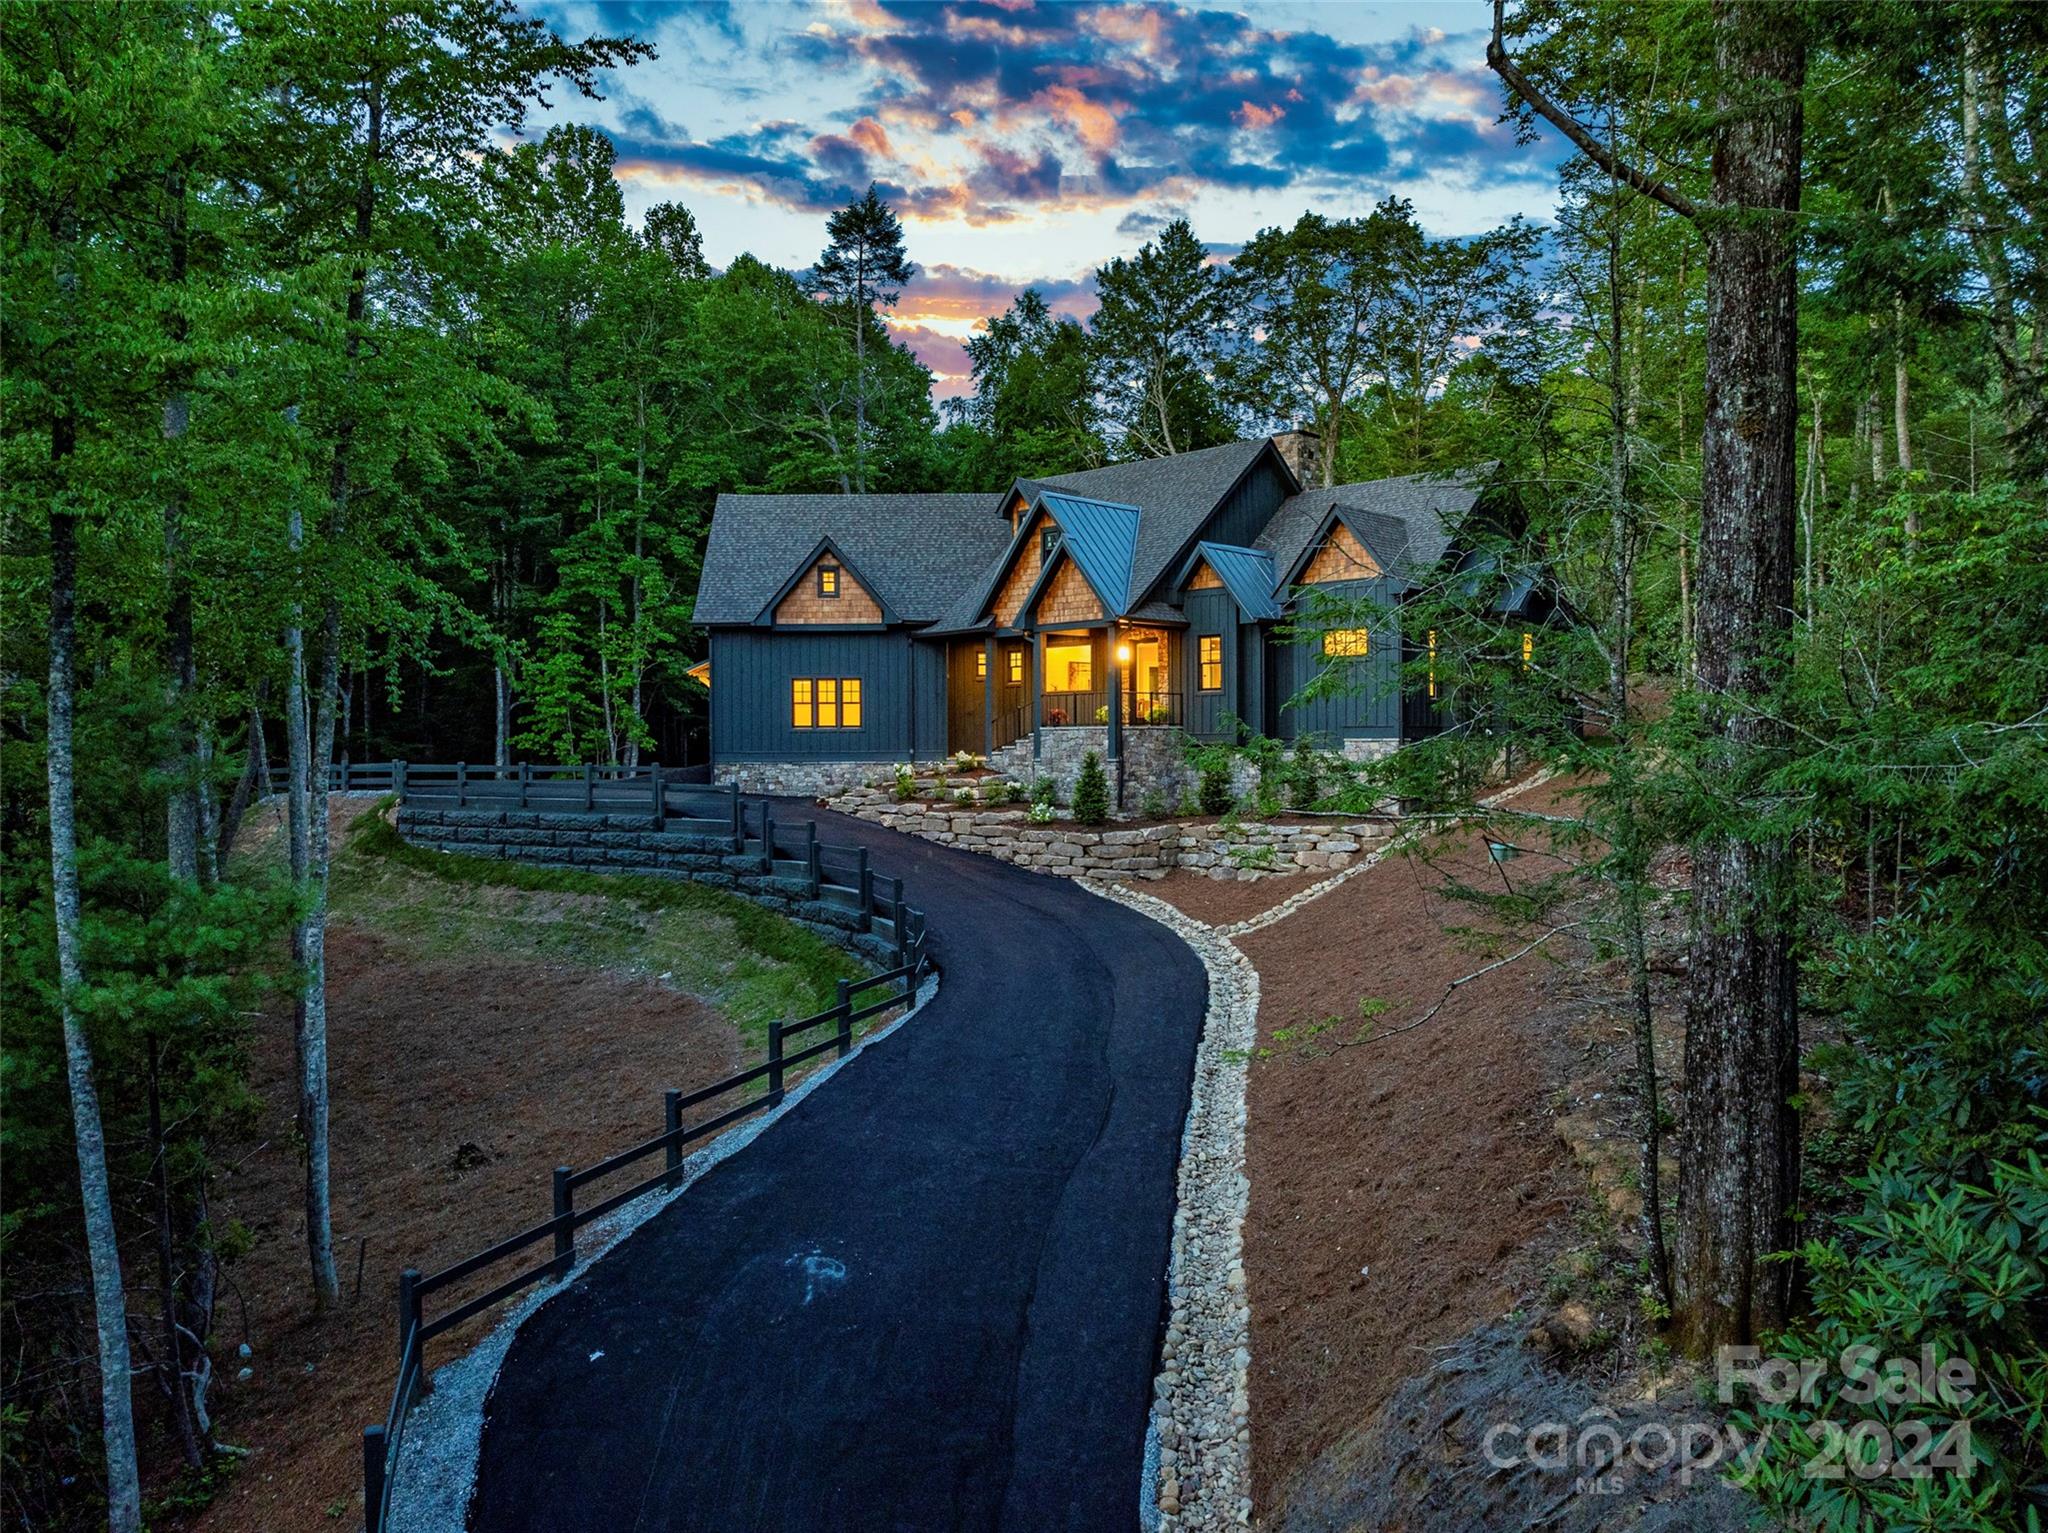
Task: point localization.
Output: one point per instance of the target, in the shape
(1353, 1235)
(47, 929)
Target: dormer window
(828, 580)
(1048, 540)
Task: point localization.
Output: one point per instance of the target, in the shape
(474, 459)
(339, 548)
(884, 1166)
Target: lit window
(1016, 667)
(1432, 662)
(1069, 663)
(828, 580)
(1211, 652)
(825, 702)
(1048, 540)
(1350, 642)
(981, 665)
(1528, 649)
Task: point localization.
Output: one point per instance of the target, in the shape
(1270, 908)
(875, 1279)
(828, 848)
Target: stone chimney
(1302, 450)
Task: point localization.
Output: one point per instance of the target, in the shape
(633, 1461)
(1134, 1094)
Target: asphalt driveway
(930, 1296)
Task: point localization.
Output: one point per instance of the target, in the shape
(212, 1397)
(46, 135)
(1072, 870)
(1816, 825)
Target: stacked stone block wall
(630, 843)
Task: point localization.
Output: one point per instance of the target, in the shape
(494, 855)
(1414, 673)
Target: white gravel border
(1197, 1469)
(438, 1457)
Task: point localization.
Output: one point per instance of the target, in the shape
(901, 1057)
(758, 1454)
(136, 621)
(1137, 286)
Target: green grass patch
(753, 965)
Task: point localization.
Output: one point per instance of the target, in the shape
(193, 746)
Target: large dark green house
(1116, 610)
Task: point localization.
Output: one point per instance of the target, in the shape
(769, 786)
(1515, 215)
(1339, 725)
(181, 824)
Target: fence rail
(839, 875)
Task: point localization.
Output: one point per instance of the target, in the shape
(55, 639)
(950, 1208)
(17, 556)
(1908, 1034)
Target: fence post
(896, 919)
(408, 1307)
(845, 1009)
(672, 1125)
(867, 893)
(525, 782)
(775, 1064)
(739, 826)
(589, 786)
(398, 779)
(813, 871)
(565, 1229)
(461, 783)
(660, 797)
(767, 839)
(373, 1479)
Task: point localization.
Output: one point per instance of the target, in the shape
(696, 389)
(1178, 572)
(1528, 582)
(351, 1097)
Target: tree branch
(1498, 61)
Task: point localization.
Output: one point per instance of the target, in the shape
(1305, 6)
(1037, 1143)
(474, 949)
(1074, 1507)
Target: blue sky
(1025, 143)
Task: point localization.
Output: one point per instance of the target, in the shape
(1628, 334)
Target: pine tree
(1091, 791)
(864, 265)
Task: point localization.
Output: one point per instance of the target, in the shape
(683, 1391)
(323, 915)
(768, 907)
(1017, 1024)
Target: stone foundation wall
(629, 843)
(1249, 850)
(802, 778)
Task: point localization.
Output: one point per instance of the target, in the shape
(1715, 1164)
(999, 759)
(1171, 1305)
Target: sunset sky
(1026, 143)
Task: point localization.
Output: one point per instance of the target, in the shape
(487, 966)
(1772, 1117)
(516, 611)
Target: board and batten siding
(1211, 612)
(751, 670)
(1248, 507)
(1369, 706)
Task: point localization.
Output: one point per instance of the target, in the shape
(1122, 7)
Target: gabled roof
(1102, 536)
(915, 553)
(1246, 573)
(1407, 522)
(1178, 494)
(766, 616)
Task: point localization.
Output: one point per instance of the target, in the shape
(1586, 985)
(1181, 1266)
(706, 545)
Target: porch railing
(1139, 708)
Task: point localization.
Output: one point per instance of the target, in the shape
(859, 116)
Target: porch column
(1037, 693)
(1116, 716)
(988, 695)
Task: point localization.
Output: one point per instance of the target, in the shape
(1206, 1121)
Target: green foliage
(1091, 791)
(1304, 776)
(1045, 790)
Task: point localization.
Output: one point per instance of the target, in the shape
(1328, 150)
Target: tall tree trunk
(255, 779)
(166, 1269)
(110, 1308)
(180, 765)
(1740, 1163)
(638, 651)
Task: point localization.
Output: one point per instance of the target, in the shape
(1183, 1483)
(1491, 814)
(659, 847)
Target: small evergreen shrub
(1304, 783)
(1154, 805)
(1091, 792)
(1213, 793)
(1045, 791)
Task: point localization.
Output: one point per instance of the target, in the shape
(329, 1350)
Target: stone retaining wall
(1249, 850)
(798, 777)
(629, 843)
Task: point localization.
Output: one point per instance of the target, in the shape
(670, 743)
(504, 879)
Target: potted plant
(1055, 716)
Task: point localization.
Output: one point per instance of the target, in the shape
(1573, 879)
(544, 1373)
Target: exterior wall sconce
(1123, 654)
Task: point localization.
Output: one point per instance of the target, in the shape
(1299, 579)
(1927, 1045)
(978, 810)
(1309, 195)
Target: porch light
(1123, 654)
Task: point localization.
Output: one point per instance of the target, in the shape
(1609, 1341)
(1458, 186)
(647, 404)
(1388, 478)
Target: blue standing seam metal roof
(1103, 538)
(1246, 573)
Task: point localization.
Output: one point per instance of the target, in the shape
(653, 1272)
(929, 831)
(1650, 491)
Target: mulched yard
(1402, 1190)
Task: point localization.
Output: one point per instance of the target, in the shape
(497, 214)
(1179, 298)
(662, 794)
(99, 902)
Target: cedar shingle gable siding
(853, 604)
(1009, 602)
(1067, 598)
(1204, 578)
(1342, 557)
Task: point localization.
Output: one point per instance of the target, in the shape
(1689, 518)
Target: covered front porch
(1005, 687)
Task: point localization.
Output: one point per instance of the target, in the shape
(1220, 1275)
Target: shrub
(1304, 782)
(1091, 792)
(906, 782)
(1154, 806)
(1041, 812)
(1045, 791)
(1213, 794)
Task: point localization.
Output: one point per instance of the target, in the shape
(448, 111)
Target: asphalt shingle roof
(918, 551)
(1408, 521)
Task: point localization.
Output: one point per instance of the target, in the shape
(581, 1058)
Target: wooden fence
(837, 875)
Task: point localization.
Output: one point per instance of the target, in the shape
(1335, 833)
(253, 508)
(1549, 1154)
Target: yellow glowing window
(828, 704)
(828, 580)
(1432, 662)
(849, 702)
(825, 702)
(1346, 641)
(1528, 650)
(1069, 664)
(1016, 667)
(1210, 654)
(800, 703)
(981, 665)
